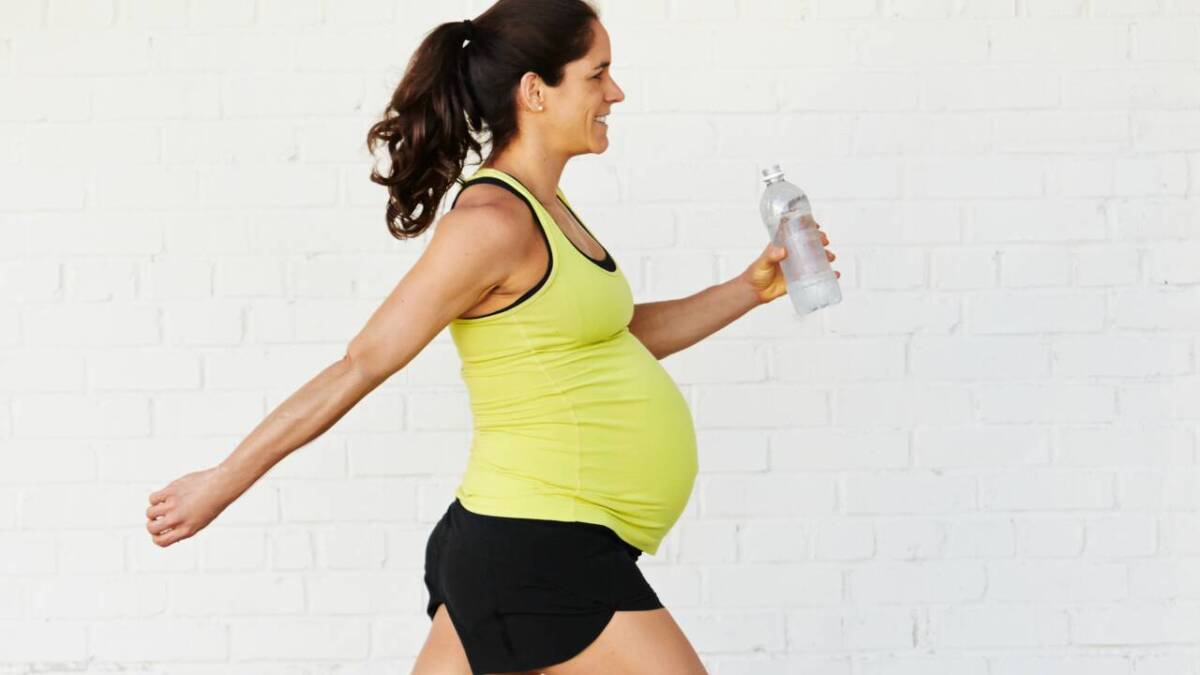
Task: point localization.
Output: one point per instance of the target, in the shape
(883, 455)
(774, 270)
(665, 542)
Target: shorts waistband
(634, 551)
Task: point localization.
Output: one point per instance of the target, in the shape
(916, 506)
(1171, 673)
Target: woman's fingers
(156, 510)
(158, 525)
(170, 537)
(167, 529)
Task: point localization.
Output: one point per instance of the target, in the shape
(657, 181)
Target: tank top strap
(561, 246)
(485, 172)
(563, 197)
(543, 215)
(486, 175)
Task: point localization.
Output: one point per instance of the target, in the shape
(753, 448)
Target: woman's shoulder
(492, 205)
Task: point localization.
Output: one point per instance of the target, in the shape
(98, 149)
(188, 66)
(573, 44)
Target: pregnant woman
(583, 452)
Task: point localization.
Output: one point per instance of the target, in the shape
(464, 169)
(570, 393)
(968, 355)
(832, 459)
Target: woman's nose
(620, 95)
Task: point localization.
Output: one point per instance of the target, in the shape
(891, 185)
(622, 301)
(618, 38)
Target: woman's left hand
(765, 277)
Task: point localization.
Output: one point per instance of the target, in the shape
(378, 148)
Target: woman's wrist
(753, 298)
(231, 479)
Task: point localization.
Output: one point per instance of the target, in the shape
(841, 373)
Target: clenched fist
(187, 505)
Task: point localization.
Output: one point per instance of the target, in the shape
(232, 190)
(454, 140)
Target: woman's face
(587, 91)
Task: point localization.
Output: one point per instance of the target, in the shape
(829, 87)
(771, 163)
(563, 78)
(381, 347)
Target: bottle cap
(772, 173)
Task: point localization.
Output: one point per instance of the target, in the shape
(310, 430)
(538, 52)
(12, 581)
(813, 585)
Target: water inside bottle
(809, 295)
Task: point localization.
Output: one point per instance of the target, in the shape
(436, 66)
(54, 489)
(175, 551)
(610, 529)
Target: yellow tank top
(573, 418)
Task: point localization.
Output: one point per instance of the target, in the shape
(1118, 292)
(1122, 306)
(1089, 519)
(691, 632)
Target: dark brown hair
(449, 92)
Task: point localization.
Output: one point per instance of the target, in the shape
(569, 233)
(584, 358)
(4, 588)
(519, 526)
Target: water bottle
(811, 282)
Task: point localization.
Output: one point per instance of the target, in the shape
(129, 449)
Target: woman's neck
(539, 177)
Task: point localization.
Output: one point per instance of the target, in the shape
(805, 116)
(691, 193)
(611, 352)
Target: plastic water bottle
(811, 282)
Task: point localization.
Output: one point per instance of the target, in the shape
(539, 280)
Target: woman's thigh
(443, 652)
(647, 641)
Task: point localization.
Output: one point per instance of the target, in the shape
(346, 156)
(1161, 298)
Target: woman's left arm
(668, 326)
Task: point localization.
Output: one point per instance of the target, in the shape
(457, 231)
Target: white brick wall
(983, 462)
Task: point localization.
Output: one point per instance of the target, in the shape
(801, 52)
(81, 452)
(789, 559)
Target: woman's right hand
(186, 505)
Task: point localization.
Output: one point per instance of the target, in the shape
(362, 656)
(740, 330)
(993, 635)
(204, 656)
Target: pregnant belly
(608, 427)
(641, 452)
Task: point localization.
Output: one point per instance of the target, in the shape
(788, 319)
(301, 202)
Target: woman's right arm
(471, 252)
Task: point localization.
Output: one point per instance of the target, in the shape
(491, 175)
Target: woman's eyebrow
(602, 64)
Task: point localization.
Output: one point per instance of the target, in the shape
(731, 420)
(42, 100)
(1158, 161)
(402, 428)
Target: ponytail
(451, 91)
(426, 131)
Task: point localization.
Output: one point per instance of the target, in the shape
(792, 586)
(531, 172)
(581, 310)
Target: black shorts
(527, 593)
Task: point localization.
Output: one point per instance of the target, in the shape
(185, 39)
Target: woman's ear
(530, 92)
